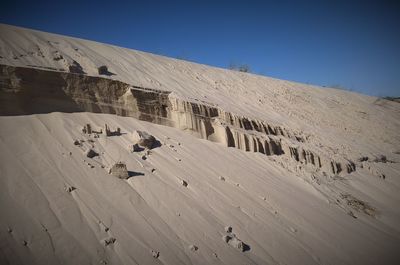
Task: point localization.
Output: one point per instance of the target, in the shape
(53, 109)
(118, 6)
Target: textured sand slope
(279, 215)
(60, 207)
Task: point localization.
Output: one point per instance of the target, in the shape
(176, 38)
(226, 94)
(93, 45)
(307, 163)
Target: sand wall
(26, 91)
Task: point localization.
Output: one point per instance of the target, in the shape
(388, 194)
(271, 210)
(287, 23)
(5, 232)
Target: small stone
(144, 157)
(91, 153)
(221, 178)
(76, 142)
(155, 254)
(134, 148)
(108, 241)
(228, 229)
(237, 243)
(24, 243)
(70, 189)
(184, 183)
(226, 238)
(9, 230)
(193, 247)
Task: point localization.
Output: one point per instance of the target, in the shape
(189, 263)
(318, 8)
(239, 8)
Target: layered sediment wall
(29, 91)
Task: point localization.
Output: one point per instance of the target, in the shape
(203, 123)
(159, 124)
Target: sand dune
(246, 170)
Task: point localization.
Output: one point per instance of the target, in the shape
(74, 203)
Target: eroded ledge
(29, 91)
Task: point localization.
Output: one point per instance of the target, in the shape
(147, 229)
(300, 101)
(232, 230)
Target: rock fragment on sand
(232, 240)
(77, 142)
(184, 183)
(228, 229)
(108, 241)
(143, 139)
(70, 189)
(155, 254)
(237, 243)
(103, 70)
(193, 248)
(87, 129)
(91, 153)
(119, 170)
(109, 132)
(76, 68)
(134, 148)
(226, 238)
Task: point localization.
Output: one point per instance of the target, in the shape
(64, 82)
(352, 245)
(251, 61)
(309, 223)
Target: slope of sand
(283, 214)
(279, 215)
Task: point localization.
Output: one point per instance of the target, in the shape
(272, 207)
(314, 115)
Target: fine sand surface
(60, 207)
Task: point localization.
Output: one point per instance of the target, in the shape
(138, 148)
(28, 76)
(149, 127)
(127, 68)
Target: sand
(59, 206)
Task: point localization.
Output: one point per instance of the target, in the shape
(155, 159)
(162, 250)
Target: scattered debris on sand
(119, 170)
(87, 129)
(358, 205)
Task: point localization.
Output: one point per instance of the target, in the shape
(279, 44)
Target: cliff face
(30, 91)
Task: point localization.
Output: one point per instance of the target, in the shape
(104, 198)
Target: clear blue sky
(354, 44)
